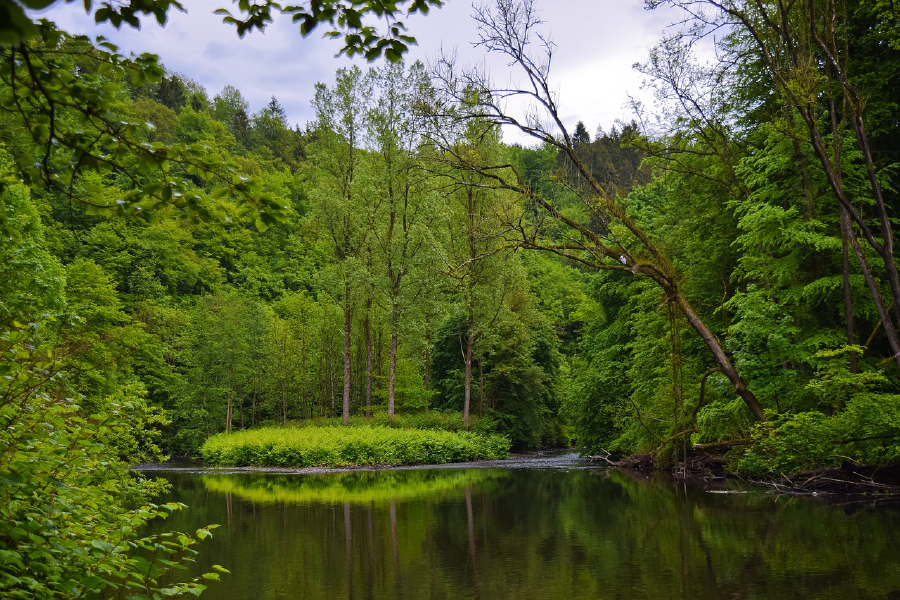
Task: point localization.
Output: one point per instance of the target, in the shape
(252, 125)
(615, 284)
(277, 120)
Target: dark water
(554, 530)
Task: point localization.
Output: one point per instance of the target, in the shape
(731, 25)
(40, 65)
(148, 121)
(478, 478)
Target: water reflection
(495, 533)
(362, 487)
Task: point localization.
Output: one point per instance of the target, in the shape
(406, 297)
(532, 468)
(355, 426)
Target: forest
(717, 275)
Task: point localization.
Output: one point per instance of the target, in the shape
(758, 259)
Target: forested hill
(724, 277)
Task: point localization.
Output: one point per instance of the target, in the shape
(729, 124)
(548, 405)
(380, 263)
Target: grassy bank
(347, 446)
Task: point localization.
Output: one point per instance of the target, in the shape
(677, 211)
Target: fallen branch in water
(604, 458)
(727, 444)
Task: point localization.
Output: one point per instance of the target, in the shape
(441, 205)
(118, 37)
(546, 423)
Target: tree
(65, 457)
(402, 231)
(477, 214)
(71, 536)
(227, 105)
(621, 244)
(338, 177)
(277, 110)
(61, 151)
(73, 145)
(163, 119)
(223, 329)
(171, 92)
(804, 48)
(581, 137)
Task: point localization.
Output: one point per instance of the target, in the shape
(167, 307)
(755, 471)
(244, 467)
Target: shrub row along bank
(347, 446)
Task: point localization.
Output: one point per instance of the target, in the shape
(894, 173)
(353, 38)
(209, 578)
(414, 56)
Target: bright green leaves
(83, 141)
(339, 446)
(862, 429)
(102, 546)
(64, 526)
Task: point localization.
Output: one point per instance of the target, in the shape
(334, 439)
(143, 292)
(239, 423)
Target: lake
(555, 528)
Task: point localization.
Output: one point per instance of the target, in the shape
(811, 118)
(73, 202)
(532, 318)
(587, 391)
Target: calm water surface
(553, 529)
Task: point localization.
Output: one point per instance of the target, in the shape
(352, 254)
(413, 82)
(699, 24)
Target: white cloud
(597, 42)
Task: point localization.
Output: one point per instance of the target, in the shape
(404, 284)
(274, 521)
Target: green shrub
(345, 446)
(70, 507)
(864, 427)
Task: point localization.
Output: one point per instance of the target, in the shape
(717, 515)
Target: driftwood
(726, 444)
(840, 482)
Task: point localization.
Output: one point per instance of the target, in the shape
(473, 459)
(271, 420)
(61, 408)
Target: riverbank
(847, 480)
(706, 471)
(547, 459)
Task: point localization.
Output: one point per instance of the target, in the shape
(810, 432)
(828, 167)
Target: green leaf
(102, 545)
(10, 477)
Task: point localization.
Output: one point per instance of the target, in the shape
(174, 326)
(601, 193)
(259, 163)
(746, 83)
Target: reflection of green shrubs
(356, 488)
(340, 446)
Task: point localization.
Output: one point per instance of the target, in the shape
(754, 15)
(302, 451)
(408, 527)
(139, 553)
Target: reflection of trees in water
(527, 534)
(357, 488)
(348, 548)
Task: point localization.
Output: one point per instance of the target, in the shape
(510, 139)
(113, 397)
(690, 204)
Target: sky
(597, 42)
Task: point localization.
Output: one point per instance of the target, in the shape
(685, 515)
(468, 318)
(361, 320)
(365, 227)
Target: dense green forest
(718, 274)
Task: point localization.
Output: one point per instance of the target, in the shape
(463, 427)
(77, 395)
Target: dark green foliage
(610, 157)
(171, 93)
(599, 395)
(518, 374)
(859, 424)
(744, 206)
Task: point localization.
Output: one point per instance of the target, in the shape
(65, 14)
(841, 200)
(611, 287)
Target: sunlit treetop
(77, 129)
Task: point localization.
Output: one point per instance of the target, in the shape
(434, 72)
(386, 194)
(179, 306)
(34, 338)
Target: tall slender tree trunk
(480, 387)
(230, 407)
(846, 225)
(470, 347)
(304, 384)
(367, 329)
(228, 410)
(345, 409)
(427, 356)
(392, 370)
(470, 301)
(330, 373)
(846, 232)
(883, 313)
(395, 340)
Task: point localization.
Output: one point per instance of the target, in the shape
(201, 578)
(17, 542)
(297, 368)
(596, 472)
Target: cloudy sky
(597, 43)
